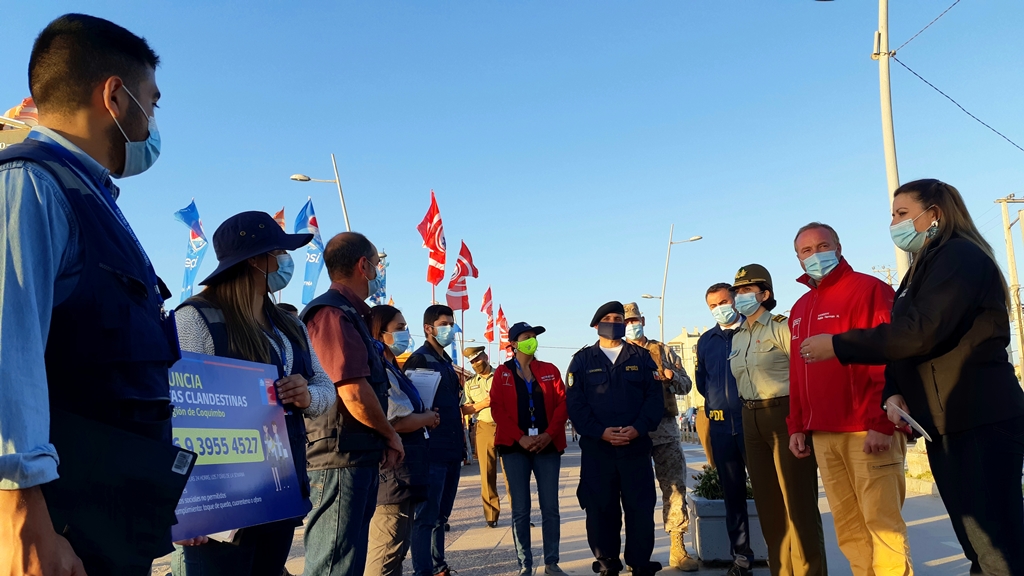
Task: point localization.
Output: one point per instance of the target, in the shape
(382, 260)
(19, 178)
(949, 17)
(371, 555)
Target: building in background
(686, 346)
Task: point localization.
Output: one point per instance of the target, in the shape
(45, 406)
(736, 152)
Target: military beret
(613, 307)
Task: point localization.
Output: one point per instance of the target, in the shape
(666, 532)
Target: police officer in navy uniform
(614, 400)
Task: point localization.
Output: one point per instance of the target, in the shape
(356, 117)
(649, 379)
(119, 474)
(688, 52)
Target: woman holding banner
(402, 488)
(234, 317)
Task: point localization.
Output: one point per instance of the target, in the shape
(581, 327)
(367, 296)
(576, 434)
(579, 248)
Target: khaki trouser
(389, 539)
(785, 492)
(866, 493)
(488, 458)
(704, 433)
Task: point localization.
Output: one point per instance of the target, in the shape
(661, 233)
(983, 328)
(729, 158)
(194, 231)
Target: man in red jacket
(859, 452)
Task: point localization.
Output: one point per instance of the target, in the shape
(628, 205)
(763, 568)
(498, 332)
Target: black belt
(758, 404)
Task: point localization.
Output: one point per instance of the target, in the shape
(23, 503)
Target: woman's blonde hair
(232, 294)
(953, 219)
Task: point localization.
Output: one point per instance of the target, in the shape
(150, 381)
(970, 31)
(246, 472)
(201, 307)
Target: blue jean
(431, 515)
(338, 527)
(545, 468)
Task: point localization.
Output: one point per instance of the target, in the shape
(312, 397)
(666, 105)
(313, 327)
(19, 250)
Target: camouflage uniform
(669, 461)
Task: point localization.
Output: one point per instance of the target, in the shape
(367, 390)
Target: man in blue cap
(615, 400)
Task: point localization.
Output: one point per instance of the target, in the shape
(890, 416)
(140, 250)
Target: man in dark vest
(347, 445)
(445, 449)
(89, 478)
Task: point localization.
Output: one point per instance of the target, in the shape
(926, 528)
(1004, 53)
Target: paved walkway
(473, 549)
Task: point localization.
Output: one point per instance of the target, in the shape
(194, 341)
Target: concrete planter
(917, 466)
(710, 537)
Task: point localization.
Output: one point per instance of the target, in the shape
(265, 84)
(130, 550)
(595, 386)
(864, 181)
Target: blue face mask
(818, 265)
(402, 341)
(375, 284)
(444, 335)
(139, 156)
(611, 330)
(724, 315)
(634, 331)
(747, 304)
(907, 238)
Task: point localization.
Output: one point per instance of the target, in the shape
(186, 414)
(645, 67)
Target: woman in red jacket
(528, 407)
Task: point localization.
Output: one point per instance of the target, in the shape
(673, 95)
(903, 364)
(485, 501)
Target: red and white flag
(503, 342)
(279, 218)
(432, 232)
(488, 309)
(458, 295)
(488, 306)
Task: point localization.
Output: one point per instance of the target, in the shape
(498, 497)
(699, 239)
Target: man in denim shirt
(95, 88)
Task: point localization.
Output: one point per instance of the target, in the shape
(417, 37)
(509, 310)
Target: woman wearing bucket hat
(402, 488)
(234, 317)
(528, 407)
(785, 487)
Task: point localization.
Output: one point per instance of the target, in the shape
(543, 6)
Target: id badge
(532, 432)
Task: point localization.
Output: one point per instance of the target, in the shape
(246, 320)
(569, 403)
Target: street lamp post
(664, 280)
(337, 180)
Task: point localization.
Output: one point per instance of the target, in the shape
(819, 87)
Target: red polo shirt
(336, 341)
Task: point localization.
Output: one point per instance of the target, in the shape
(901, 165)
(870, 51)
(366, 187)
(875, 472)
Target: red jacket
(505, 408)
(827, 396)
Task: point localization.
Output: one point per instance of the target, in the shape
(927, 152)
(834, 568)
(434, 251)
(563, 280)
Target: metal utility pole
(664, 279)
(887, 270)
(892, 173)
(1011, 261)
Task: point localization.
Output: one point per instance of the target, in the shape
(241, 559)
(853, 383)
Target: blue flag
(381, 295)
(305, 223)
(197, 245)
(456, 330)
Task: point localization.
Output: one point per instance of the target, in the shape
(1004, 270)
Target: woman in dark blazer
(945, 352)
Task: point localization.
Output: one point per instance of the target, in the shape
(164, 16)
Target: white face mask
(139, 156)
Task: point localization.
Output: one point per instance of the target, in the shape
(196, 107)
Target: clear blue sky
(562, 139)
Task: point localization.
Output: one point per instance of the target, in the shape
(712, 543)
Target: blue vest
(108, 351)
(110, 343)
(447, 442)
(336, 439)
(302, 364)
(408, 481)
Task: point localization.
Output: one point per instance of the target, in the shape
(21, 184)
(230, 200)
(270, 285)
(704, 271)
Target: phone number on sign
(220, 446)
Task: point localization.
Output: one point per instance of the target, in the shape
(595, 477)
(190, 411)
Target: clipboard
(117, 491)
(426, 382)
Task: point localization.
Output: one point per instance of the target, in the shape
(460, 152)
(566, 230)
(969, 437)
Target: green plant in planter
(709, 488)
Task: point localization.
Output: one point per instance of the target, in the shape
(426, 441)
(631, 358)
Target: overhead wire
(926, 27)
(892, 54)
(948, 97)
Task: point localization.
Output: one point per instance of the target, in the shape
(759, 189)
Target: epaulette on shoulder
(780, 318)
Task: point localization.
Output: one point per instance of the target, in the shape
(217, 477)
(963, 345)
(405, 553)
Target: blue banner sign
(227, 412)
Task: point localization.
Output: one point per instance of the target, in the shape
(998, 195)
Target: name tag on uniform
(593, 370)
(474, 387)
(632, 368)
(532, 432)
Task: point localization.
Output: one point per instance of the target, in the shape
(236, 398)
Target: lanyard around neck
(529, 388)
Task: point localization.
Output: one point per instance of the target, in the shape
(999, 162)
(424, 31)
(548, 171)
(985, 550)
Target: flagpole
(462, 357)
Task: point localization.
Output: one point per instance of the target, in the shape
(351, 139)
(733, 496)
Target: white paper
(913, 423)
(426, 382)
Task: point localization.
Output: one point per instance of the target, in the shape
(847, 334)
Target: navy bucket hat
(250, 234)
